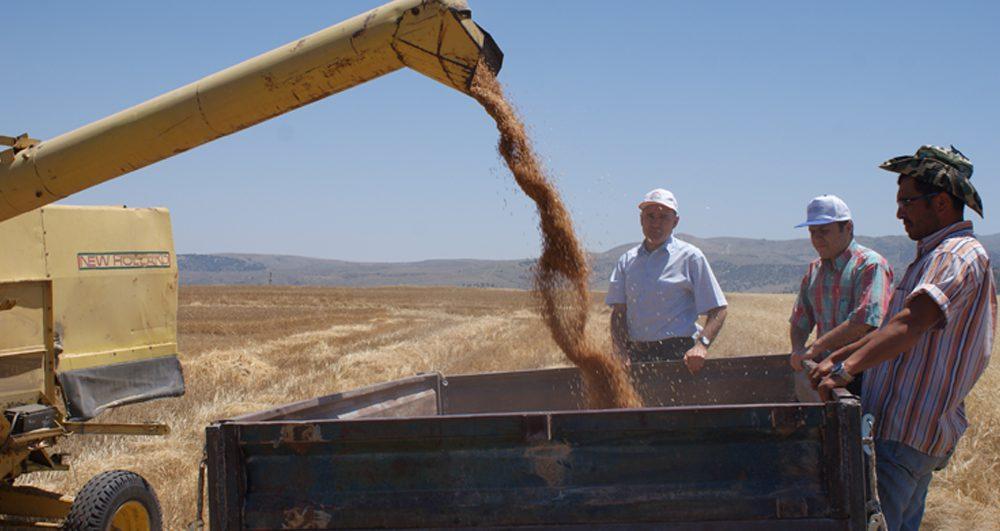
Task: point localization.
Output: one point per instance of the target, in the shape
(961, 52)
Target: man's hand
(821, 375)
(821, 381)
(821, 372)
(825, 388)
(795, 360)
(694, 358)
(818, 373)
(808, 354)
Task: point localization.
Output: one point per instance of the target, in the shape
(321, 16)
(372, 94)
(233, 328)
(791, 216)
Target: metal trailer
(729, 448)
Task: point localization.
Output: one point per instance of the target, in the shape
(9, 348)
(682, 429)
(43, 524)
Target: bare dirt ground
(249, 348)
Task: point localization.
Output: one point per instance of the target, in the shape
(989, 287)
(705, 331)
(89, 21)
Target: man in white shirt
(659, 288)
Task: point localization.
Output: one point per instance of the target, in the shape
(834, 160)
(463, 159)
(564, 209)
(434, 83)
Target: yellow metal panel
(21, 375)
(22, 322)
(23, 341)
(441, 42)
(22, 256)
(114, 275)
(87, 359)
(33, 502)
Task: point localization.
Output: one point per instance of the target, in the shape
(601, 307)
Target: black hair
(841, 225)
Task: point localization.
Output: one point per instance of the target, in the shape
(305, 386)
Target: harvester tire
(118, 496)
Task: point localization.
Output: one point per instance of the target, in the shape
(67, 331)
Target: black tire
(96, 503)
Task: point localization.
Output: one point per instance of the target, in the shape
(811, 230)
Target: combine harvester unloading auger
(436, 38)
(88, 295)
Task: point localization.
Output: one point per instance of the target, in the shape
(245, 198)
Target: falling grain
(562, 271)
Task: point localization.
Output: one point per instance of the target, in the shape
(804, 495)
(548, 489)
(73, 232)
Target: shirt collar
(666, 246)
(928, 243)
(841, 259)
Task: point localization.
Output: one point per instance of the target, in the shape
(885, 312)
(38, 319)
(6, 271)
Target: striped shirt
(918, 397)
(854, 286)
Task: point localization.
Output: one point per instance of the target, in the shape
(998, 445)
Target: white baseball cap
(659, 196)
(826, 209)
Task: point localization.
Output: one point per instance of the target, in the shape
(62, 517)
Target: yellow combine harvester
(88, 295)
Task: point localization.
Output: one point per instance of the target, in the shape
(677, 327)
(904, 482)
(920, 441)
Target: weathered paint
(95, 326)
(709, 466)
(724, 381)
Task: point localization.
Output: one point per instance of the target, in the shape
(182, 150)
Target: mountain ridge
(740, 264)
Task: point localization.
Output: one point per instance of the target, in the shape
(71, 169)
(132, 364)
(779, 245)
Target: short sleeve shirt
(854, 286)
(918, 397)
(664, 290)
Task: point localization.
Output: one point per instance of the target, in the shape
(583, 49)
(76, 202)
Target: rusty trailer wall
(723, 381)
(410, 397)
(421, 452)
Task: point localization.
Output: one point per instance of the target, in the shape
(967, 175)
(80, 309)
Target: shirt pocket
(672, 284)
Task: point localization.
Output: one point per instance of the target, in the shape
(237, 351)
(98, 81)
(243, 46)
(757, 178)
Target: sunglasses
(906, 201)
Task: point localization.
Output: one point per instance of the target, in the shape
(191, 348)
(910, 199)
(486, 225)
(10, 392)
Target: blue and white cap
(826, 209)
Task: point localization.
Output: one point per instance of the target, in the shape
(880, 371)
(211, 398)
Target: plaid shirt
(918, 398)
(855, 286)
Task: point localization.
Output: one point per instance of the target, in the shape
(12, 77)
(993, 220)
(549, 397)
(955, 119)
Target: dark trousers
(669, 349)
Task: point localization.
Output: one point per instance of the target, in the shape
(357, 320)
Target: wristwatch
(841, 374)
(704, 340)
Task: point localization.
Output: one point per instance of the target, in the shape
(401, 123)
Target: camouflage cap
(947, 168)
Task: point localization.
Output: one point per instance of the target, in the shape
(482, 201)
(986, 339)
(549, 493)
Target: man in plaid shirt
(844, 293)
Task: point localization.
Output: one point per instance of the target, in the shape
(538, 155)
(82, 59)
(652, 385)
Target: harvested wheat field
(249, 348)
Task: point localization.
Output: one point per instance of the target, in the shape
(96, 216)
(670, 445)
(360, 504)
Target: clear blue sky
(745, 110)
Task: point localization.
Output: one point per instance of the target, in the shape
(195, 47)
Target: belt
(676, 342)
(671, 348)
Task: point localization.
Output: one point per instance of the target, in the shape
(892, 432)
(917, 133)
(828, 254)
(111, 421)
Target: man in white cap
(844, 293)
(659, 288)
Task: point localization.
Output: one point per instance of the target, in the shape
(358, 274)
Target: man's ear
(677, 219)
(941, 204)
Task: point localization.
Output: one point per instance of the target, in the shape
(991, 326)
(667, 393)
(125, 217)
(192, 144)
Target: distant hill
(297, 270)
(740, 264)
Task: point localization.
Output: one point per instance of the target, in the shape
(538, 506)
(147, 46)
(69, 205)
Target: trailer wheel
(115, 500)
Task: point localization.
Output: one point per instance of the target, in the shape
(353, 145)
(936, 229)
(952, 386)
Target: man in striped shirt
(844, 293)
(926, 358)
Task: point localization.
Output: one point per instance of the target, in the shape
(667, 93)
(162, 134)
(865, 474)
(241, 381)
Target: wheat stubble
(562, 271)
